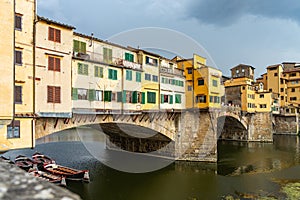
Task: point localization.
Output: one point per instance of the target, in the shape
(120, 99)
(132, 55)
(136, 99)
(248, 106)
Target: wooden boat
(58, 180)
(42, 159)
(24, 162)
(7, 160)
(69, 173)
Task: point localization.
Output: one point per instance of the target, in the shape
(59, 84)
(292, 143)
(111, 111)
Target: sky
(227, 32)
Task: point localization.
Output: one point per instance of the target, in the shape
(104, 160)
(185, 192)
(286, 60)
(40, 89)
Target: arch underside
(230, 128)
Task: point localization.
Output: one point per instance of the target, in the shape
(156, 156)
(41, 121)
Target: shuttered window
(54, 35)
(177, 98)
(129, 57)
(107, 96)
(151, 97)
(18, 57)
(53, 63)
(107, 55)
(83, 69)
(18, 22)
(18, 94)
(128, 75)
(143, 98)
(112, 74)
(74, 94)
(79, 46)
(138, 77)
(53, 94)
(98, 71)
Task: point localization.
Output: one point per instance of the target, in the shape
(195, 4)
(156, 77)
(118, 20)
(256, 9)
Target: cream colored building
(106, 77)
(172, 86)
(54, 43)
(17, 50)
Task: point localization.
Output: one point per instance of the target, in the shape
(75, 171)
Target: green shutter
(107, 96)
(96, 71)
(138, 76)
(80, 70)
(86, 69)
(92, 95)
(143, 98)
(134, 97)
(127, 56)
(161, 98)
(74, 94)
(124, 96)
(83, 47)
(119, 96)
(177, 98)
(76, 45)
(110, 55)
(110, 73)
(115, 75)
(171, 99)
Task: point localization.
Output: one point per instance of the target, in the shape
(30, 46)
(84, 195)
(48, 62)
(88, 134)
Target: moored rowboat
(24, 162)
(42, 159)
(69, 173)
(59, 180)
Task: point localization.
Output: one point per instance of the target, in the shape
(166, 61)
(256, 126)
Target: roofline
(40, 18)
(242, 65)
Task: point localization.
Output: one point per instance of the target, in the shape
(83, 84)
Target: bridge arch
(232, 127)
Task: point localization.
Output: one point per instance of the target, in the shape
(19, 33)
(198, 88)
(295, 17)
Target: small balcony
(128, 64)
(83, 56)
(174, 71)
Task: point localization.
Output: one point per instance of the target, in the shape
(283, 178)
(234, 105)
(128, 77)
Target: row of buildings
(50, 71)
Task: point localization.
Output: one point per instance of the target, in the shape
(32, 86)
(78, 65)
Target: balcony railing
(168, 70)
(128, 64)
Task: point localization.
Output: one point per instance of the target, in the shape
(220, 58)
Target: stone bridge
(188, 135)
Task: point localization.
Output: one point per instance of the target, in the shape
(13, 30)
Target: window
(201, 99)
(294, 82)
(211, 99)
(275, 74)
(107, 96)
(281, 81)
(148, 77)
(293, 74)
(82, 94)
(263, 105)
(293, 90)
(83, 69)
(112, 74)
(243, 70)
(54, 35)
(270, 90)
(98, 95)
(129, 57)
(53, 63)
(13, 130)
(177, 98)
(200, 82)
(107, 55)
(18, 22)
(190, 88)
(128, 75)
(53, 94)
(237, 71)
(190, 71)
(151, 61)
(243, 87)
(151, 97)
(79, 46)
(18, 94)
(282, 97)
(18, 57)
(293, 99)
(98, 71)
(166, 99)
(138, 76)
(155, 78)
(215, 83)
(261, 96)
(281, 89)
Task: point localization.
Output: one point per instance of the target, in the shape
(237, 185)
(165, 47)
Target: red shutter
(51, 34)
(50, 63)
(57, 95)
(50, 94)
(57, 35)
(57, 64)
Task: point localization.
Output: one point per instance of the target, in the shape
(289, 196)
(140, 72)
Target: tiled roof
(40, 18)
(273, 66)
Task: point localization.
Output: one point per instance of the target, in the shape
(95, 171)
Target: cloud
(228, 12)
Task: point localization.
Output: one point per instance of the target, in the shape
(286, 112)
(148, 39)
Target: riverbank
(17, 184)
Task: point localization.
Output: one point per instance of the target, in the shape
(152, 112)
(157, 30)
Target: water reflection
(242, 168)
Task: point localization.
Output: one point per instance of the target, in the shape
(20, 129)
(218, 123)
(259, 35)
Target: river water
(256, 169)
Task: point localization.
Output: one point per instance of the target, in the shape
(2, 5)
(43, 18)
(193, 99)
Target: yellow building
(150, 79)
(203, 83)
(54, 43)
(17, 51)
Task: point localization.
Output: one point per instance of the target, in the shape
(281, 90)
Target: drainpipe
(159, 93)
(14, 66)
(122, 90)
(34, 74)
